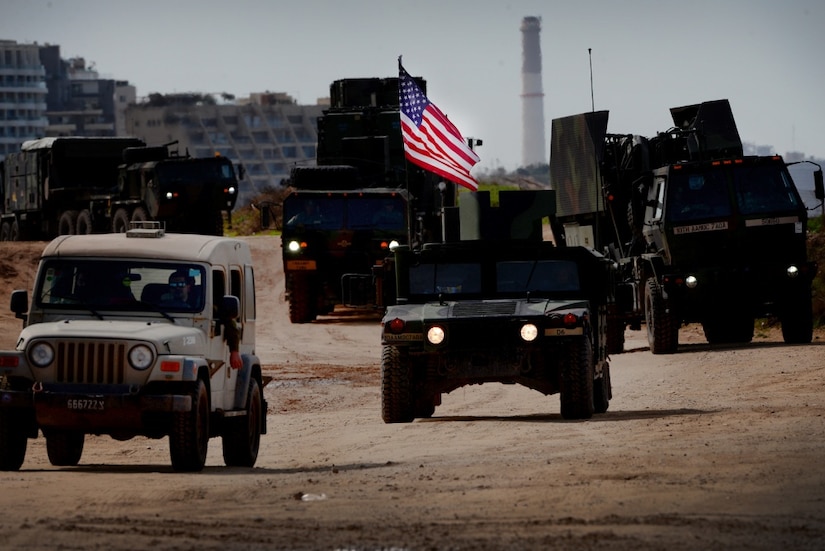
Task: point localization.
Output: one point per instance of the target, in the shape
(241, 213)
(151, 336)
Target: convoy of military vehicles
(78, 185)
(135, 331)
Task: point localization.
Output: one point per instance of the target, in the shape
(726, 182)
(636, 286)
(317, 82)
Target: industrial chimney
(532, 97)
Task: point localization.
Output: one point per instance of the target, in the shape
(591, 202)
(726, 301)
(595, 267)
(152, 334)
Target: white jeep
(129, 334)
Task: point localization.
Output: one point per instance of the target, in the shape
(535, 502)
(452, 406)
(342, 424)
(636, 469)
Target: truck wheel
(797, 320)
(396, 386)
(301, 301)
(5, 232)
(140, 215)
(120, 221)
(84, 222)
(13, 442)
(16, 233)
(662, 327)
(189, 439)
(64, 447)
(577, 380)
(602, 392)
(615, 334)
(67, 223)
(242, 439)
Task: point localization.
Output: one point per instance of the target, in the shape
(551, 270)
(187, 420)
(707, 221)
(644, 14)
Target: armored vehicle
(498, 305)
(141, 333)
(700, 232)
(364, 196)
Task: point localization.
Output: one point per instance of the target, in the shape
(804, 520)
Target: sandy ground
(709, 448)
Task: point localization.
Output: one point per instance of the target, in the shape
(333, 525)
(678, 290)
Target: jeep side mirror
(819, 190)
(19, 303)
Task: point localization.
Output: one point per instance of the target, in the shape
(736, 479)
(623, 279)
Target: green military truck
(342, 216)
(136, 334)
(700, 232)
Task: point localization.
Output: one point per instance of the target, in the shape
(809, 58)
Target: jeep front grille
(91, 362)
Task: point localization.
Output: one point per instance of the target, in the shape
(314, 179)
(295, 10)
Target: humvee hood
(168, 338)
(487, 308)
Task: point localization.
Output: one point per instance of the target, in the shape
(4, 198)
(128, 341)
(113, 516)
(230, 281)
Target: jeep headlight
(793, 272)
(393, 245)
(435, 335)
(293, 246)
(41, 354)
(529, 332)
(141, 357)
(691, 282)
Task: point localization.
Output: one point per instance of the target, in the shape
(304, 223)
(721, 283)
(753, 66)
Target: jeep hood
(167, 338)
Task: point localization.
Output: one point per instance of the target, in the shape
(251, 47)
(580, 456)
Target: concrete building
(22, 95)
(266, 133)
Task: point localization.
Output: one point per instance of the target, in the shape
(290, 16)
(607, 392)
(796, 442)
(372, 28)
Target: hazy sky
(766, 57)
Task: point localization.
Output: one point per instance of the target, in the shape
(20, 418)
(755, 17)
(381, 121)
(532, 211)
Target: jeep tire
(189, 439)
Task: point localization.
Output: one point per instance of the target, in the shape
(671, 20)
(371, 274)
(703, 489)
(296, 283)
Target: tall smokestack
(532, 97)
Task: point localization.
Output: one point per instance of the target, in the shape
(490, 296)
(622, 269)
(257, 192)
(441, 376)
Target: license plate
(84, 404)
(298, 265)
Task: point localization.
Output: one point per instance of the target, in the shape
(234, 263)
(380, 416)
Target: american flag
(431, 141)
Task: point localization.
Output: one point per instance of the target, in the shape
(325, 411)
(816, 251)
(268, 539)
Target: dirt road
(710, 448)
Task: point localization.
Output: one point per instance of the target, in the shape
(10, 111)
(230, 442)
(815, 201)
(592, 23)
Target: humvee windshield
(120, 285)
(511, 276)
(341, 213)
(757, 189)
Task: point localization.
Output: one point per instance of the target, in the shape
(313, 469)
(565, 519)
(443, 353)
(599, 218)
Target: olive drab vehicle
(497, 304)
(134, 334)
(78, 185)
(699, 231)
(343, 216)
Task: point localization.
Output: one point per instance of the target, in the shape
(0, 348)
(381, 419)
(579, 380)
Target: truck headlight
(393, 245)
(41, 354)
(529, 332)
(435, 334)
(141, 357)
(293, 246)
(793, 272)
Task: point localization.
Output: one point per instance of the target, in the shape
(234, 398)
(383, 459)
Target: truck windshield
(763, 189)
(342, 213)
(697, 195)
(211, 169)
(120, 285)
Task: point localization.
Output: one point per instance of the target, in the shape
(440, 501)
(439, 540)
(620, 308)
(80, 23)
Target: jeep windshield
(355, 212)
(127, 285)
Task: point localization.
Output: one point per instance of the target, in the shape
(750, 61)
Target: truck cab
(132, 334)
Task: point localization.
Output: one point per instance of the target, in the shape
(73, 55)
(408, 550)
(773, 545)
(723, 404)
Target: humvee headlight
(691, 282)
(529, 332)
(393, 245)
(793, 272)
(169, 195)
(41, 354)
(435, 335)
(141, 357)
(293, 246)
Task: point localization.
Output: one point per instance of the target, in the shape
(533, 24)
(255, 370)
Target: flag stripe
(431, 140)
